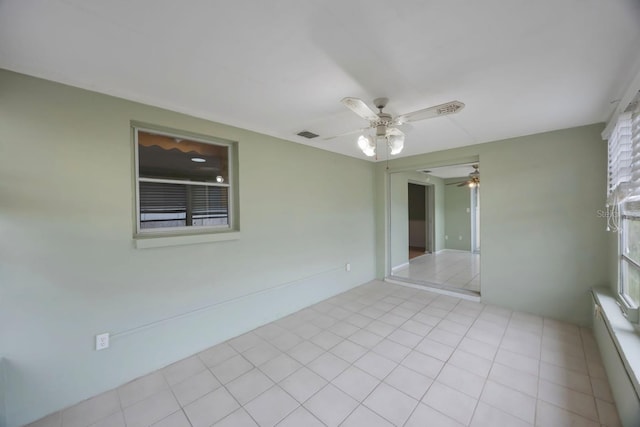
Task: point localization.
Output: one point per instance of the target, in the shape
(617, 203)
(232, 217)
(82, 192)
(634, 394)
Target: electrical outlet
(446, 237)
(347, 267)
(102, 341)
(459, 237)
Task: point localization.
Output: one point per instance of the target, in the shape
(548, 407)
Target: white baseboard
(460, 295)
(398, 267)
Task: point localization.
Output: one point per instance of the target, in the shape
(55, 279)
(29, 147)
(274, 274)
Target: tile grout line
(300, 404)
(361, 403)
(584, 353)
(352, 364)
(492, 362)
(434, 379)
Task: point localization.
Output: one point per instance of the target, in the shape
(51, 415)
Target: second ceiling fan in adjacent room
(473, 181)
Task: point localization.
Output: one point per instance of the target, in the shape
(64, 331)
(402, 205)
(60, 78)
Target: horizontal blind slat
(162, 197)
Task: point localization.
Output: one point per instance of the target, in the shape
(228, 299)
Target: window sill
(144, 242)
(625, 334)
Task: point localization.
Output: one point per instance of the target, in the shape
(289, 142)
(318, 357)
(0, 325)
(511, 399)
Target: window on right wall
(630, 254)
(624, 199)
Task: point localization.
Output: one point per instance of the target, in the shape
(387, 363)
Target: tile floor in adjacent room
(378, 355)
(450, 269)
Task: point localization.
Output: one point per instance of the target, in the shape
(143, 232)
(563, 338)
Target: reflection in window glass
(631, 284)
(181, 182)
(630, 254)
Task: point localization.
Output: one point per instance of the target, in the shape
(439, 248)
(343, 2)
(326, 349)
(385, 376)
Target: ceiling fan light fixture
(385, 125)
(367, 145)
(396, 144)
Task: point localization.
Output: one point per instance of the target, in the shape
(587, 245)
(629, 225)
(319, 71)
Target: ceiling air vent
(426, 171)
(307, 134)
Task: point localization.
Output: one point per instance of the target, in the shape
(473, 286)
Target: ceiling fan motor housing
(382, 124)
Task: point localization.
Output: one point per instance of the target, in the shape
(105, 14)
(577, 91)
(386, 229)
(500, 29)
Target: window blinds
(634, 185)
(619, 165)
(162, 198)
(160, 202)
(210, 201)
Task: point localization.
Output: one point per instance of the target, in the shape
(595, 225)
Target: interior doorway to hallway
(420, 212)
(434, 227)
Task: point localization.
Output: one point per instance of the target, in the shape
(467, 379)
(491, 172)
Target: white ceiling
(282, 66)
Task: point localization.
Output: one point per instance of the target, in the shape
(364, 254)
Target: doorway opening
(434, 228)
(420, 211)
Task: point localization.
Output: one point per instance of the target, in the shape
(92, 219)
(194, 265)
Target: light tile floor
(447, 269)
(378, 355)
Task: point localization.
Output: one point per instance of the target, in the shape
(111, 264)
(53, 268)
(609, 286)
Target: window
(624, 200)
(183, 183)
(630, 254)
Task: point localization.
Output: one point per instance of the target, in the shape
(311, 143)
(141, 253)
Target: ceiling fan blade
(351, 132)
(431, 112)
(463, 184)
(459, 182)
(360, 108)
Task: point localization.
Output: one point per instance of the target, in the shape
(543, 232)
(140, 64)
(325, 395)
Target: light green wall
(543, 244)
(457, 205)
(69, 270)
(399, 226)
(439, 211)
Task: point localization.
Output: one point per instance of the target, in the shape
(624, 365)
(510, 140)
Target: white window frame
(629, 308)
(623, 174)
(230, 184)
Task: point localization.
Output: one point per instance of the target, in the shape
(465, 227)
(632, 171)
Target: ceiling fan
(473, 181)
(385, 125)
